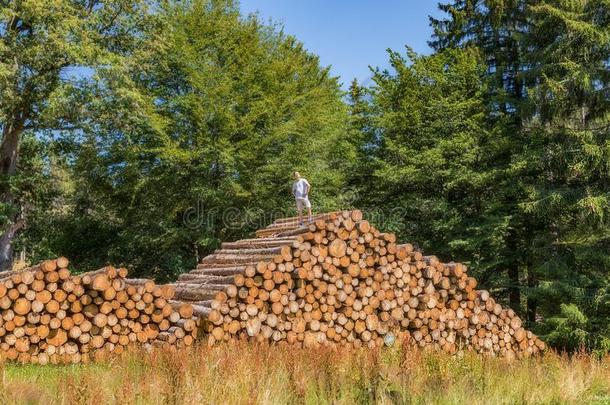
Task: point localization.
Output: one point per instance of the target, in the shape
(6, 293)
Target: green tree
(364, 136)
(436, 158)
(41, 44)
(567, 157)
(235, 107)
(548, 77)
(494, 27)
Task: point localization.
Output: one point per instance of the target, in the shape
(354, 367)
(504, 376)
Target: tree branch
(17, 225)
(112, 20)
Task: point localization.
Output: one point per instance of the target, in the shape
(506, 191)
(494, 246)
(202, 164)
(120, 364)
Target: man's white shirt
(300, 188)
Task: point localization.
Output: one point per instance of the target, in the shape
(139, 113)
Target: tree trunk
(6, 244)
(514, 293)
(9, 157)
(532, 305)
(9, 148)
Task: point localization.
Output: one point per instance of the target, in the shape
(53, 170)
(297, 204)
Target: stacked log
(51, 316)
(339, 280)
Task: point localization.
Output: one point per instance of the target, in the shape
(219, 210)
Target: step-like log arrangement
(49, 315)
(338, 280)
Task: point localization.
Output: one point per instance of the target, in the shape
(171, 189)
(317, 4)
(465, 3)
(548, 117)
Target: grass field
(285, 375)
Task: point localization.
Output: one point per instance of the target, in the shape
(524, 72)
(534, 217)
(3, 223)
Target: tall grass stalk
(248, 373)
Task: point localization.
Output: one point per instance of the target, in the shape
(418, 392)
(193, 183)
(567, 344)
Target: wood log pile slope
(49, 315)
(339, 280)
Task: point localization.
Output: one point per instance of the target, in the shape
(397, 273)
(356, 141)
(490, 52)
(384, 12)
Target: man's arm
(307, 188)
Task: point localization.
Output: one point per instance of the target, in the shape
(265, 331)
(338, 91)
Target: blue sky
(351, 35)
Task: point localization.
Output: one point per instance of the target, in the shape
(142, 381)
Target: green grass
(249, 373)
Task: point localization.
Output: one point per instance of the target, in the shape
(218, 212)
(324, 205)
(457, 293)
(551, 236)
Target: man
(300, 191)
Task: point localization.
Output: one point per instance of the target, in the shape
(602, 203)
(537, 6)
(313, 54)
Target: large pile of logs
(51, 316)
(339, 280)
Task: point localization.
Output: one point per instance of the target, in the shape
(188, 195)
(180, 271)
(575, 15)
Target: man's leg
(309, 213)
(300, 212)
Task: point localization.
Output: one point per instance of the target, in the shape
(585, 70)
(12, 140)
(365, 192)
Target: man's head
(296, 175)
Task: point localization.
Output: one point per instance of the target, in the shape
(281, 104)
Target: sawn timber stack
(339, 280)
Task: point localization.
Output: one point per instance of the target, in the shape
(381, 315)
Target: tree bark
(9, 148)
(6, 245)
(532, 305)
(514, 293)
(9, 157)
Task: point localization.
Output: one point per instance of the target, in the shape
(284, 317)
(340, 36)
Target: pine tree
(494, 27)
(434, 174)
(547, 68)
(568, 113)
(364, 137)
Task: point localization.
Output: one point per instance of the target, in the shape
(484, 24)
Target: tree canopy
(230, 108)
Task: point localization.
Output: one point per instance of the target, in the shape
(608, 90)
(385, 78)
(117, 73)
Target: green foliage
(47, 51)
(36, 187)
(229, 109)
(568, 329)
(568, 111)
(434, 172)
(531, 154)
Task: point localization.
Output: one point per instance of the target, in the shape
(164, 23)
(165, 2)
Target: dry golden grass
(249, 373)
